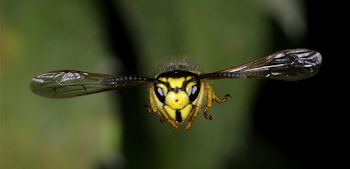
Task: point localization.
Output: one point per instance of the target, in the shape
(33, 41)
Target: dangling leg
(190, 121)
(173, 123)
(210, 97)
(162, 118)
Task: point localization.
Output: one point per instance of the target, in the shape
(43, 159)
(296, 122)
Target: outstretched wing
(288, 65)
(71, 83)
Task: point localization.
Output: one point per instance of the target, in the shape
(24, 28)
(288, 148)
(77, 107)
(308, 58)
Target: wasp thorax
(177, 90)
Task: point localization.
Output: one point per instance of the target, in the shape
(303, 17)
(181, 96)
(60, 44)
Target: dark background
(306, 118)
(295, 117)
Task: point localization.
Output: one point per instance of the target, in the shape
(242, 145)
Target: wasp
(181, 90)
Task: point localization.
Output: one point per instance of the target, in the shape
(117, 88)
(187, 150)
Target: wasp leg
(189, 125)
(148, 108)
(173, 123)
(206, 115)
(190, 121)
(210, 98)
(162, 117)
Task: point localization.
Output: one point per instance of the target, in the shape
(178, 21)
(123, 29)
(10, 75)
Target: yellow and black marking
(177, 95)
(180, 90)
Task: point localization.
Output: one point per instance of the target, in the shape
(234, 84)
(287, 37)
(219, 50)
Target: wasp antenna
(121, 79)
(222, 75)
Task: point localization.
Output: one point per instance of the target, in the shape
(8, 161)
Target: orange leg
(210, 98)
(162, 117)
(190, 121)
(148, 108)
(173, 123)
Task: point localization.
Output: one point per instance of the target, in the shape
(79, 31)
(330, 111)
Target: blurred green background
(94, 131)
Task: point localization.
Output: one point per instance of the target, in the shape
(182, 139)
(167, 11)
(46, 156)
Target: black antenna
(122, 79)
(221, 75)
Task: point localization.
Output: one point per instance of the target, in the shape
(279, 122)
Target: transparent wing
(288, 65)
(71, 83)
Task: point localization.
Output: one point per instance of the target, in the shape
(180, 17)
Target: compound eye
(161, 91)
(192, 90)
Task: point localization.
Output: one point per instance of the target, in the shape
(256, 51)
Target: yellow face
(177, 91)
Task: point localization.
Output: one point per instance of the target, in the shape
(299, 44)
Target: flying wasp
(180, 91)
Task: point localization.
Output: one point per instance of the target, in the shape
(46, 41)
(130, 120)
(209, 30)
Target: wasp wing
(71, 83)
(288, 65)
